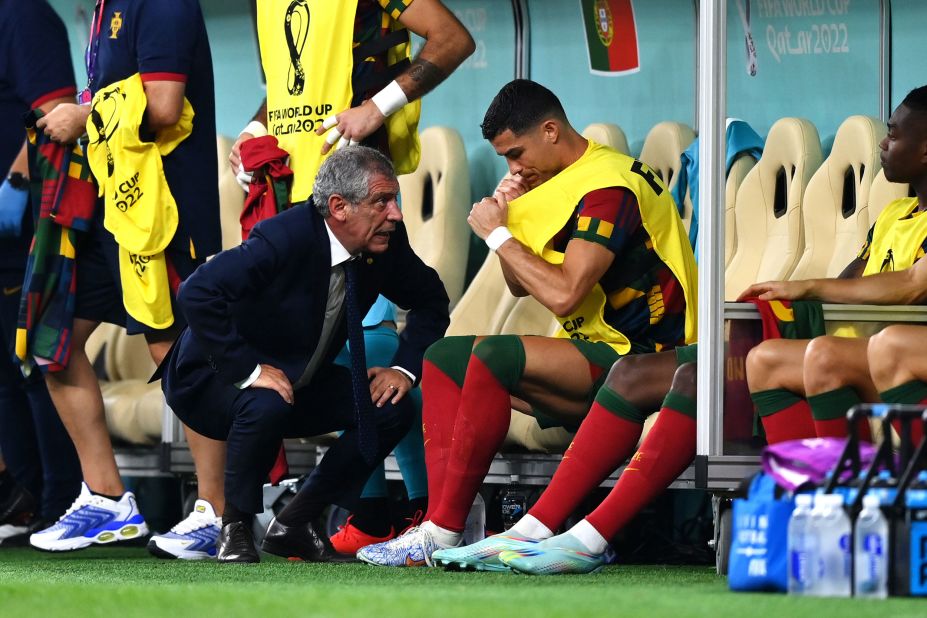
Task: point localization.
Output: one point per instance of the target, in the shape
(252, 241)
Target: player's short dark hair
(916, 100)
(521, 105)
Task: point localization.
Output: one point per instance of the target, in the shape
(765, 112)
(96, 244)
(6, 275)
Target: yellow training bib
(307, 55)
(897, 239)
(537, 216)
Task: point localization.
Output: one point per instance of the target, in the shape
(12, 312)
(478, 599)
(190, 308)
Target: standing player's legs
(194, 536)
(898, 366)
(776, 380)
(549, 374)
(103, 512)
(836, 376)
(42, 465)
(76, 394)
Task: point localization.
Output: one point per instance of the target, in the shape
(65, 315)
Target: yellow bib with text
(306, 51)
(139, 209)
(537, 216)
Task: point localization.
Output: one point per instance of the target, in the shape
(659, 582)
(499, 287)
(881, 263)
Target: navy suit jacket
(264, 302)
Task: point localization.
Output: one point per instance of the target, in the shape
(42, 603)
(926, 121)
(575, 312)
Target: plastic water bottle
(870, 543)
(514, 503)
(475, 528)
(802, 551)
(831, 528)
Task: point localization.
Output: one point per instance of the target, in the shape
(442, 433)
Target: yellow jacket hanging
(537, 216)
(139, 209)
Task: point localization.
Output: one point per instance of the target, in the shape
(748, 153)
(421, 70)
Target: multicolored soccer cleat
(559, 555)
(482, 555)
(90, 520)
(412, 549)
(194, 538)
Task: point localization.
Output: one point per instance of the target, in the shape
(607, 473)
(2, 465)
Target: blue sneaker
(482, 555)
(194, 538)
(92, 520)
(559, 555)
(413, 548)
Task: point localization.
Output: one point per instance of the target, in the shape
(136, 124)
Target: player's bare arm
(559, 287)
(906, 287)
(447, 44)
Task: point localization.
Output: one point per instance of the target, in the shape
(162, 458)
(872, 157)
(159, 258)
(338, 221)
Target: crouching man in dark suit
(267, 319)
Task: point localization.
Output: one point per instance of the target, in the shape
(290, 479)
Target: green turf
(120, 582)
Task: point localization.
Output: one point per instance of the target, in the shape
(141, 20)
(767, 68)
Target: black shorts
(99, 290)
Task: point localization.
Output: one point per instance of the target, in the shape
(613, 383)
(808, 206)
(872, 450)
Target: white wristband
(497, 237)
(391, 99)
(255, 128)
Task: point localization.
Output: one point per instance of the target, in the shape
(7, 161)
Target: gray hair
(347, 173)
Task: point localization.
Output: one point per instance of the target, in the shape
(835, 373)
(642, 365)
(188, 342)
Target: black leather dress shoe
(300, 543)
(235, 544)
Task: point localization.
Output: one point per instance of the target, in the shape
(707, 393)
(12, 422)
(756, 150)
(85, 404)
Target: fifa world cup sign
(611, 36)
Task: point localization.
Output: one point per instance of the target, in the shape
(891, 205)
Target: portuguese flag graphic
(611, 35)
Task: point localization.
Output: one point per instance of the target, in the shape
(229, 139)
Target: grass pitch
(120, 582)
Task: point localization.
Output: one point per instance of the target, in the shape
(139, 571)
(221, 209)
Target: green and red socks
(829, 410)
(785, 415)
(485, 409)
(443, 372)
(913, 392)
(605, 439)
(667, 450)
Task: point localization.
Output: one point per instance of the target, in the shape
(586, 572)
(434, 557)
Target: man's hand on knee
(387, 385)
(275, 380)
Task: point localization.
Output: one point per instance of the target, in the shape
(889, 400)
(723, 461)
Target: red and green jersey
(644, 299)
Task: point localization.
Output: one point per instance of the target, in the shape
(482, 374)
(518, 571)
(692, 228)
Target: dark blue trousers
(35, 445)
(253, 421)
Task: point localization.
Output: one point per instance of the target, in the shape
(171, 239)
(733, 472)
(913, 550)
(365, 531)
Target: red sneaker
(350, 538)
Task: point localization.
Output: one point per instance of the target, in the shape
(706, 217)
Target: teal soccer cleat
(559, 555)
(482, 555)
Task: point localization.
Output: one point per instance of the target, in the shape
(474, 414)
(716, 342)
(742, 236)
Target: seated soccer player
(636, 386)
(595, 237)
(895, 355)
(827, 375)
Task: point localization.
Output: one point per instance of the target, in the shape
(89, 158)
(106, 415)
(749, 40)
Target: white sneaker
(194, 538)
(92, 520)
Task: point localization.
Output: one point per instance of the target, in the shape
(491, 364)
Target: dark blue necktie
(363, 407)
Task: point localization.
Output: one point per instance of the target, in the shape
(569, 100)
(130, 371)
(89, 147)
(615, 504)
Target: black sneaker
(17, 516)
